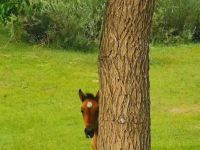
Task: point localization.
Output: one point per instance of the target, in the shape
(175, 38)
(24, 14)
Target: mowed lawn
(40, 108)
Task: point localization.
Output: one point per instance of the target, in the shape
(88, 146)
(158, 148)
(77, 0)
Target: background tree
(124, 120)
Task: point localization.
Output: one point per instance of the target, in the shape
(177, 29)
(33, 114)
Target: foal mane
(89, 96)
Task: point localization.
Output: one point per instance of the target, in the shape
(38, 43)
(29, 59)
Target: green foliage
(12, 7)
(176, 21)
(36, 24)
(62, 23)
(76, 23)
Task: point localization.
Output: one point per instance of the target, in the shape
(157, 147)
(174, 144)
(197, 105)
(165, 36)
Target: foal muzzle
(89, 132)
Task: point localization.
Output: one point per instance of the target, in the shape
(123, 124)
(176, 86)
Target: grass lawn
(40, 108)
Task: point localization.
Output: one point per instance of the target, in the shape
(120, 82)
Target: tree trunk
(124, 115)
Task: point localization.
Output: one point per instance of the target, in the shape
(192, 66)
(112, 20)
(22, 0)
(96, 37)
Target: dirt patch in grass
(189, 109)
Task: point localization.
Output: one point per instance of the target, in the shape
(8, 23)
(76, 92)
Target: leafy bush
(11, 7)
(76, 23)
(64, 23)
(176, 21)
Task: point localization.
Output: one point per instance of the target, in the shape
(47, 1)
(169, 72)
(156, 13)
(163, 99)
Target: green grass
(175, 96)
(40, 109)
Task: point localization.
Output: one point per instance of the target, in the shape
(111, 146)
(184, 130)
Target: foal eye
(82, 111)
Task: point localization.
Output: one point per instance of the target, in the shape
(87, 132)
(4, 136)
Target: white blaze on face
(89, 105)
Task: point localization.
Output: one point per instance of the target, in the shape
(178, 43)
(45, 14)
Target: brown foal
(90, 110)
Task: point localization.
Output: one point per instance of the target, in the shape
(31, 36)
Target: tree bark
(124, 115)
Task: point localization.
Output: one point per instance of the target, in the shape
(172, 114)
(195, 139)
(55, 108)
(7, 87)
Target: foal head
(89, 110)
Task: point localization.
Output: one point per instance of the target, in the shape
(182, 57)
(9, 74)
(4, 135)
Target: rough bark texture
(124, 115)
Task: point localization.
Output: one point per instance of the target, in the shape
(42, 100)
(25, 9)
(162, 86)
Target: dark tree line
(74, 23)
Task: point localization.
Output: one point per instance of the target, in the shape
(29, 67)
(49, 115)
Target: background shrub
(76, 23)
(64, 23)
(176, 21)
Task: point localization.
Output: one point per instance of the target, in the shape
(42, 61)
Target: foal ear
(81, 95)
(97, 96)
